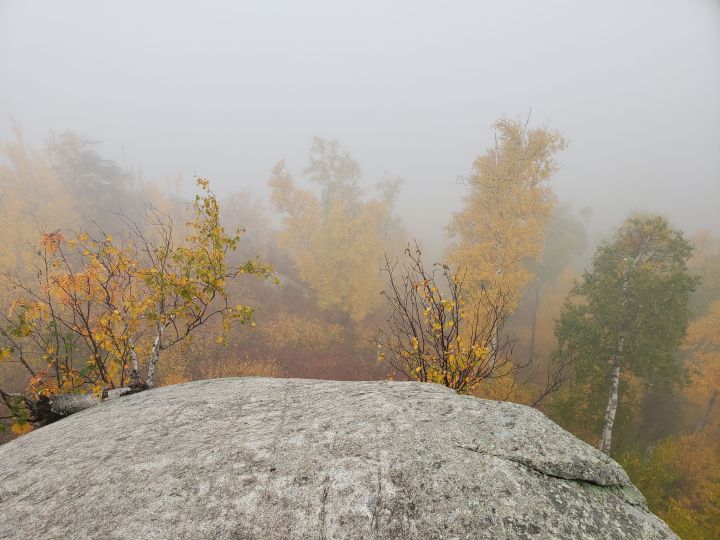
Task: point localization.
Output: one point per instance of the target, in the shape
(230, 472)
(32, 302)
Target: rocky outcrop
(282, 458)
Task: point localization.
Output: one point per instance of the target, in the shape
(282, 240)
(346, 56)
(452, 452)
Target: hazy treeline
(328, 232)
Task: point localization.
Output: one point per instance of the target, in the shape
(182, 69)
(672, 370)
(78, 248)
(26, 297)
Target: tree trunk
(66, 404)
(155, 354)
(605, 443)
(493, 348)
(606, 438)
(495, 339)
(533, 325)
(708, 409)
(48, 410)
(135, 372)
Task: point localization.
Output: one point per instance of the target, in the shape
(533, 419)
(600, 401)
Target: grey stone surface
(283, 458)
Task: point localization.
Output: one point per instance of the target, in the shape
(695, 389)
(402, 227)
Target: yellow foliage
(173, 375)
(21, 428)
(680, 477)
(337, 243)
(502, 226)
(702, 345)
(300, 332)
(32, 198)
(99, 310)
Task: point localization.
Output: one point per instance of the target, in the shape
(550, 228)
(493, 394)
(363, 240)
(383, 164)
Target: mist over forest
(534, 185)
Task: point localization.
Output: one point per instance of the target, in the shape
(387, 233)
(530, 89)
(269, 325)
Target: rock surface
(283, 458)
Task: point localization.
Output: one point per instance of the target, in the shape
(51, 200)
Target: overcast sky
(226, 89)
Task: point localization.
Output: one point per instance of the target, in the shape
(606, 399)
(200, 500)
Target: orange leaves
(702, 346)
(103, 307)
(51, 241)
(41, 384)
(24, 315)
(203, 183)
(21, 428)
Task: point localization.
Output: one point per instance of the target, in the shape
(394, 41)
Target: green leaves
(638, 287)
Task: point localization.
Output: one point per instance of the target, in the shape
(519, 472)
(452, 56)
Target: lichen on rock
(292, 458)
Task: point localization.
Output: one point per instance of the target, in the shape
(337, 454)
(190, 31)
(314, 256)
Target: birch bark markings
(606, 438)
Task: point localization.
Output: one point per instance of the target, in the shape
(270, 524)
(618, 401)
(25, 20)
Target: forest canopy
(111, 284)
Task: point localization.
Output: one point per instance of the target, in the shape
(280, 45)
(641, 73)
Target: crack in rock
(628, 492)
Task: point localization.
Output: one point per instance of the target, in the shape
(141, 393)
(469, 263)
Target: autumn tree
(702, 349)
(337, 240)
(680, 478)
(689, 498)
(680, 474)
(628, 314)
(439, 330)
(103, 310)
(32, 196)
(501, 228)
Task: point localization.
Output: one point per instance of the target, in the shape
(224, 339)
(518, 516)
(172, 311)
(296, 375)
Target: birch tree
(101, 311)
(628, 314)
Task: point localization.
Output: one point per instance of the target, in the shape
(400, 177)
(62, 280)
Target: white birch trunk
(155, 354)
(135, 373)
(606, 438)
(605, 443)
(66, 404)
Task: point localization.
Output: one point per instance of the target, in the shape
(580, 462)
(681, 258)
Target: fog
(113, 253)
(226, 89)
